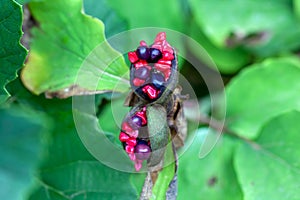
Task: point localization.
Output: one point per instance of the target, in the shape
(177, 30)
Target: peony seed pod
(153, 70)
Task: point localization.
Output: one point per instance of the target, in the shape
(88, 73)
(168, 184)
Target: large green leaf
(227, 60)
(244, 18)
(12, 54)
(262, 92)
(271, 170)
(63, 61)
(212, 177)
(155, 13)
(69, 170)
(220, 19)
(20, 150)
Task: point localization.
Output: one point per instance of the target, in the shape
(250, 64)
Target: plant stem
(220, 127)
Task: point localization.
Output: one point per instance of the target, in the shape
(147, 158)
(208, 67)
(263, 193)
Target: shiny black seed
(142, 150)
(136, 120)
(158, 80)
(143, 53)
(155, 55)
(142, 73)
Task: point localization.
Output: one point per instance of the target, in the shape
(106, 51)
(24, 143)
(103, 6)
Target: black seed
(137, 120)
(142, 73)
(143, 53)
(142, 150)
(155, 55)
(158, 80)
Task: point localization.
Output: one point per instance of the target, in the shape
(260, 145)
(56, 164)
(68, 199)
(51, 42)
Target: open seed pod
(153, 70)
(144, 134)
(134, 136)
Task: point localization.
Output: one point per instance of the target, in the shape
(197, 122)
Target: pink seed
(123, 137)
(150, 91)
(131, 142)
(129, 149)
(132, 57)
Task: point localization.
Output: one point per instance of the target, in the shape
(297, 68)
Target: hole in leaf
(212, 181)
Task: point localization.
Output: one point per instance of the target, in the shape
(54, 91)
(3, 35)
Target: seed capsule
(154, 75)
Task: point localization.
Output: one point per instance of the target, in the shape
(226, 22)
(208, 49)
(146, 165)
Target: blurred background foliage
(254, 44)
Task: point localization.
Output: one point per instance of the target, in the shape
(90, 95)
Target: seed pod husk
(158, 132)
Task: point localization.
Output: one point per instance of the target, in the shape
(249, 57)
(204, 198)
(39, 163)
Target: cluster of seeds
(134, 137)
(151, 68)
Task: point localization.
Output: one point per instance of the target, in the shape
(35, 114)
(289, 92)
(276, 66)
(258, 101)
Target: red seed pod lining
(137, 149)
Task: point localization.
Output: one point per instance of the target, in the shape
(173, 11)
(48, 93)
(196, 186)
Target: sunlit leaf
(69, 54)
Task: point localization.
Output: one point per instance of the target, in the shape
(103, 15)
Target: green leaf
(296, 4)
(227, 60)
(64, 139)
(262, 92)
(283, 40)
(213, 176)
(23, 2)
(220, 20)
(114, 24)
(155, 13)
(66, 158)
(70, 171)
(85, 177)
(111, 117)
(20, 150)
(12, 53)
(271, 170)
(66, 57)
